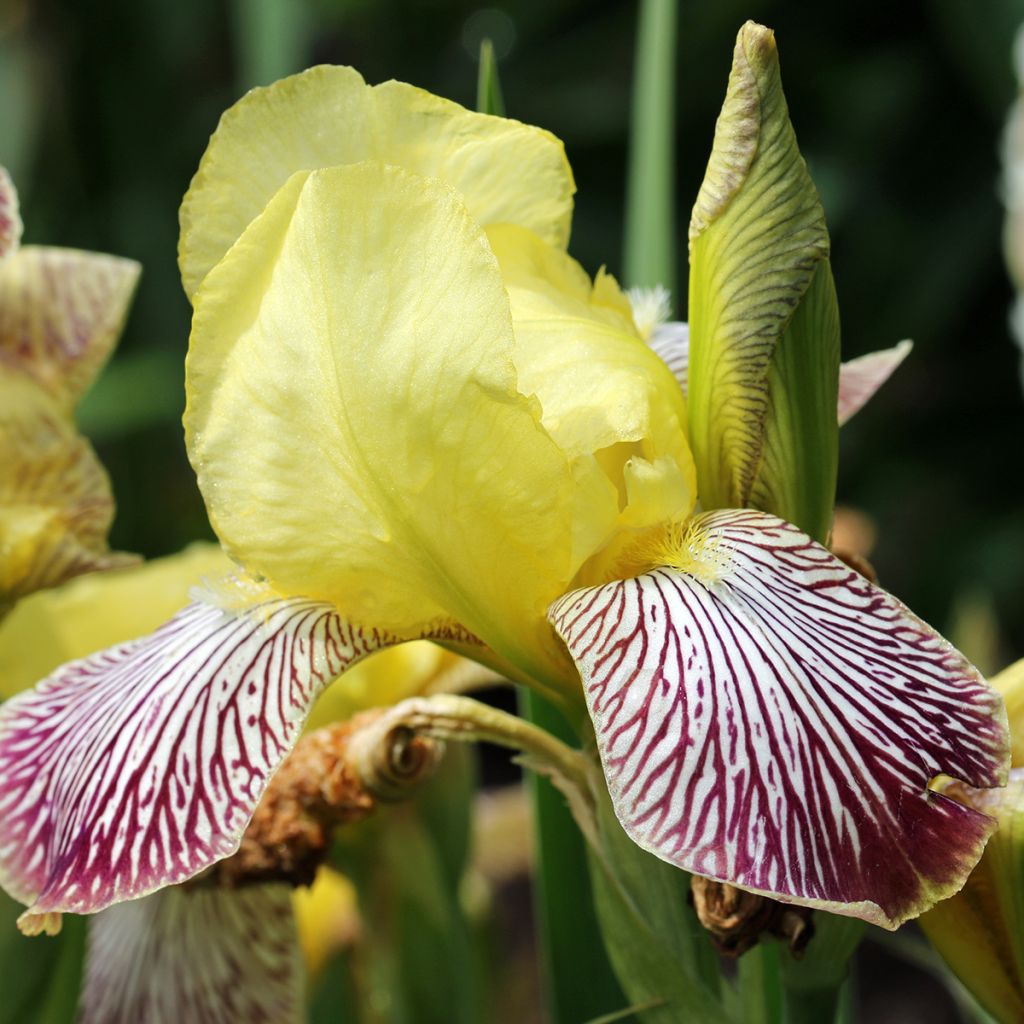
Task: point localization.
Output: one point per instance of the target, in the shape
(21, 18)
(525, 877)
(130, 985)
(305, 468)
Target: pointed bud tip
(758, 45)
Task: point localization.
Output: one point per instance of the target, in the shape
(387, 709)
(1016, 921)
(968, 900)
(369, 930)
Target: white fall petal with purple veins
(860, 378)
(140, 766)
(768, 717)
(195, 956)
(671, 341)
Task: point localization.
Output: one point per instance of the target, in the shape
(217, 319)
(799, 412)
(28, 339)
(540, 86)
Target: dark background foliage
(105, 108)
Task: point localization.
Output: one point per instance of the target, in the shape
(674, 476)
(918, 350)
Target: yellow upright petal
(606, 398)
(61, 312)
(1010, 683)
(55, 500)
(92, 612)
(382, 679)
(326, 116)
(980, 931)
(354, 420)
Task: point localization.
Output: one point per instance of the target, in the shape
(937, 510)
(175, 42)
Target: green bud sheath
(764, 324)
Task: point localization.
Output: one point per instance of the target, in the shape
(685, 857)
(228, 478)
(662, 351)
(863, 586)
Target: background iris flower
(61, 311)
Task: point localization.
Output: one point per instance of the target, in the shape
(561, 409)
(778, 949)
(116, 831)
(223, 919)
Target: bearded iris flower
(61, 311)
(205, 952)
(412, 414)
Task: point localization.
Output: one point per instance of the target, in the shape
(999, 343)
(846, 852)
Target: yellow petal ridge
(328, 116)
(606, 398)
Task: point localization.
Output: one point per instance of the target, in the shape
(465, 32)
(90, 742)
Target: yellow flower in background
(61, 311)
(327, 918)
(980, 930)
(91, 612)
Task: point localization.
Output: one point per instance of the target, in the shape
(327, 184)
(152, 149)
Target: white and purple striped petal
(860, 378)
(200, 955)
(140, 766)
(671, 341)
(768, 717)
(10, 218)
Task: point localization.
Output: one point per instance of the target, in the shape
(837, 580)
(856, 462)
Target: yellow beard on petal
(685, 546)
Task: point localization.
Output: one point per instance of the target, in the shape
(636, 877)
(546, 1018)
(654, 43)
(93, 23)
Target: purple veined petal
(61, 313)
(199, 955)
(10, 218)
(860, 378)
(140, 766)
(671, 341)
(771, 719)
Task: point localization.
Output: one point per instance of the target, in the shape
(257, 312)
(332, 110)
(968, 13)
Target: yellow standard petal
(55, 500)
(354, 420)
(61, 312)
(980, 931)
(1010, 683)
(606, 398)
(326, 116)
(92, 612)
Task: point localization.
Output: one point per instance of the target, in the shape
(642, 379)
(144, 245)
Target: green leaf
(415, 962)
(488, 88)
(579, 980)
(40, 977)
(764, 325)
(759, 985)
(271, 39)
(813, 984)
(800, 456)
(662, 956)
(650, 256)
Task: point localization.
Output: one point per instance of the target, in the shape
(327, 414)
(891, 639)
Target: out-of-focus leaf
(414, 962)
(488, 86)
(650, 256)
(760, 992)
(662, 955)
(136, 391)
(579, 979)
(271, 40)
(813, 985)
(39, 977)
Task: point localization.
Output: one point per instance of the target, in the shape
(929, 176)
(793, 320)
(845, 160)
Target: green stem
(650, 253)
(580, 984)
(449, 716)
(271, 38)
(760, 986)
(488, 86)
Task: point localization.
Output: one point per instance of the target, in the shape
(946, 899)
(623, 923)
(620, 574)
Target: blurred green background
(105, 108)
